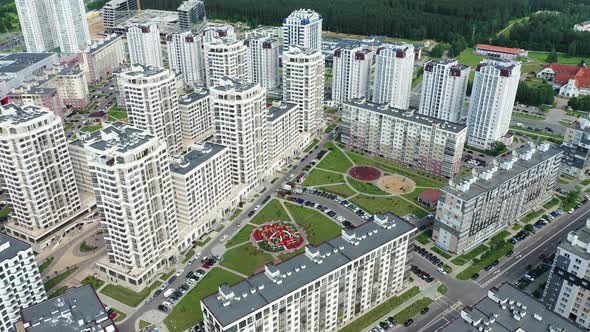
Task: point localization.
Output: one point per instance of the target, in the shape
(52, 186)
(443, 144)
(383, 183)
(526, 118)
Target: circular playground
(278, 237)
(396, 184)
(365, 173)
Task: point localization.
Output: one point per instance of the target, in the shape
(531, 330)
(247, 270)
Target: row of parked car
(173, 295)
(341, 201)
(322, 208)
(431, 257)
(421, 274)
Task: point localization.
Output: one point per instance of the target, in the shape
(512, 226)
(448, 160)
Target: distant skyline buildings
(303, 28)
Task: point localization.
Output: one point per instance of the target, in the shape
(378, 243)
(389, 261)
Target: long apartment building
(239, 112)
(303, 28)
(202, 190)
(144, 45)
(576, 147)
(303, 84)
(225, 57)
(492, 100)
(444, 86)
(185, 55)
(38, 174)
(284, 138)
(567, 291)
(351, 73)
(263, 61)
(394, 67)
(72, 86)
(21, 284)
(103, 57)
(413, 140)
(150, 96)
(475, 208)
(130, 171)
(196, 116)
(323, 289)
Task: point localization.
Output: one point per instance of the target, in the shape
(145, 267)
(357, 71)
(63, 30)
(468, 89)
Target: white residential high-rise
(492, 100)
(69, 20)
(130, 171)
(196, 117)
(21, 284)
(303, 28)
(284, 138)
(150, 96)
(239, 111)
(213, 31)
(185, 55)
(351, 73)
(394, 65)
(444, 85)
(35, 21)
(303, 84)
(263, 54)
(225, 57)
(144, 45)
(37, 170)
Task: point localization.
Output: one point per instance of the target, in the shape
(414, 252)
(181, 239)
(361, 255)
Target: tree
(572, 197)
(580, 103)
(552, 57)
(438, 50)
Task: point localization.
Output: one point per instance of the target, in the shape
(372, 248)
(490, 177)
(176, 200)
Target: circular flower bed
(364, 173)
(278, 236)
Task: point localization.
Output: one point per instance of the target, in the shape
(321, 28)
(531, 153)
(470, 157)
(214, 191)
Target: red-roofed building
(570, 80)
(499, 51)
(429, 198)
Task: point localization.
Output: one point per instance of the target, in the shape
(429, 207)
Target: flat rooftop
(12, 114)
(260, 289)
(276, 111)
(229, 84)
(199, 154)
(193, 97)
(118, 136)
(167, 21)
(15, 62)
(10, 247)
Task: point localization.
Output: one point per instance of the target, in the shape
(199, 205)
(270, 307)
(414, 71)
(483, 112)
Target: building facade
(38, 174)
(115, 12)
(567, 291)
(284, 138)
(416, 141)
(144, 45)
(72, 87)
(576, 147)
(303, 84)
(213, 31)
(263, 56)
(351, 73)
(150, 96)
(444, 85)
(21, 284)
(324, 288)
(394, 67)
(69, 20)
(225, 57)
(492, 101)
(303, 28)
(475, 208)
(104, 57)
(192, 16)
(34, 19)
(130, 171)
(196, 116)
(185, 55)
(48, 98)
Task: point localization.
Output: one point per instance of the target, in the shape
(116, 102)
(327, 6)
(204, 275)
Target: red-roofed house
(570, 80)
(500, 52)
(429, 198)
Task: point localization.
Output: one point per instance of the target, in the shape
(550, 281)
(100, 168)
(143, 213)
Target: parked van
(168, 292)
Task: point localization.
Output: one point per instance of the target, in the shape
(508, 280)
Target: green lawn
(120, 315)
(381, 310)
(396, 205)
(319, 177)
(272, 211)
(532, 216)
(50, 283)
(90, 280)
(127, 296)
(413, 196)
(487, 258)
(412, 310)
(46, 264)
(516, 227)
(528, 116)
(561, 58)
(242, 236)
(424, 237)
(143, 324)
(467, 57)
(117, 115)
(85, 247)
(68, 126)
(5, 211)
(318, 227)
(342, 190)
(245, 259)
(235, 214)
(91, 128)
(441, 252)
(58, 292)
(335, 160)
(166, 276)
(467, 257)
(203, 242)
(365, 187)
(187, 313)
(311, 145)
(553, 202)
(188, 256)
(442, 289)
(330, 127)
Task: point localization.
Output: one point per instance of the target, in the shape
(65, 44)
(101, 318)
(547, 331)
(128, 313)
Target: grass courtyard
(342, 190)
(335, 160)
(320, 177)
(272, 211)
(127, 296)
(242, 236)
(246, 259)
(318, 227)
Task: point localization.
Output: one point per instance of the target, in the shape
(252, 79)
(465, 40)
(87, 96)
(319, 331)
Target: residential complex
(192, 16)
(130, 171)
(239, 112)
(567, 291)
(303, 28)
(68, 18)
(410, 139)
(324, 288)
(351, 73)
(576, 147)
(185, 55)
(17, 68)
(72, 87)
(33, 143)
(303, 84)
(48, 98)
(34, 23)
(196, 116)
(569, 80)
(104, 57)
(144, 45)
(444, 85)
(20, 281)
(225, 57)
(263, 56)
(202, 183)
(394, 66)
(150, 96)
(492, 100)
(283, 135)
(507, 308)
(475, 208)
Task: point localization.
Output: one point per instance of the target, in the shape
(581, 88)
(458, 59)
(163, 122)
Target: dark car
(190, 274)
(171, 280)
(163, 308)
(392, 321)
(384, 325)
(475, 276)
(408, 322)
(157, 292)
(185, 287)
(424, 311)
(251, 213)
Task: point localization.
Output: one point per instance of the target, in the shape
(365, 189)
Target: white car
(570, 211)
(441, 270)
(257, 207)
(179, 272)
(190, 281)
(223, 238)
